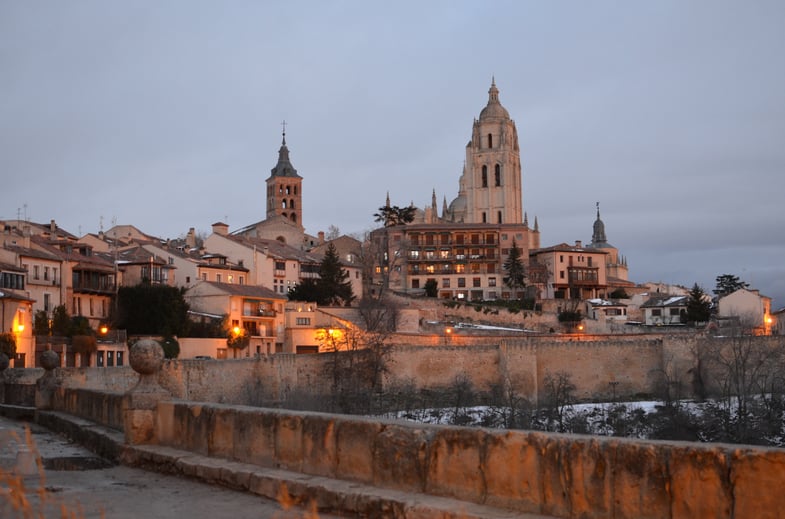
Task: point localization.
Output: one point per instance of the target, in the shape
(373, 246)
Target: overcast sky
(167, 115)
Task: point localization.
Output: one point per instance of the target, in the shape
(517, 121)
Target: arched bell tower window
(288, 190)
(283, 204)
(490, 140)
(485, 176)
(498, 174)
(291, 204)
(294, 218)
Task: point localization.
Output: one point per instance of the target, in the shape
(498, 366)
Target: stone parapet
(551, 474)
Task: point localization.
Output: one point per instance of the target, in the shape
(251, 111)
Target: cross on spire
(283, 125)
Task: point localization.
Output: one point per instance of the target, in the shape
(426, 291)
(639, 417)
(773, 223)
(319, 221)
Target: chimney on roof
(221, 228)
(578, 244)
(190, 238)
(26, 233)
(321, 237)
(52, 230)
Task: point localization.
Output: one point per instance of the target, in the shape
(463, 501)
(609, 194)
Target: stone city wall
(601, 367)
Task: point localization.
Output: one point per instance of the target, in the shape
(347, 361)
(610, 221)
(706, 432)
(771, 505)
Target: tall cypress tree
(334, 287)
(513, 267)
(698, 308)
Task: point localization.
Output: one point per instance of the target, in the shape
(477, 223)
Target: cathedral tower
(284, 189)
(491, 181)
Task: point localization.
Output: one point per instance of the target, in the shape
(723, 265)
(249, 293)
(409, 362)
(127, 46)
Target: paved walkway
(114, 492)
(121, 492)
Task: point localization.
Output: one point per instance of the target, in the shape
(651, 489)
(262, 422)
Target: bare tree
(359, 357)
(747, 370)
(559, 396)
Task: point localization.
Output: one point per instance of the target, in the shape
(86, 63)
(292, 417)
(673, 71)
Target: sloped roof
(665, 301)
(233, 289)
(276, 249)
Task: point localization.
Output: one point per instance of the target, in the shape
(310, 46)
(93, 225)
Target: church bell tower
(491, 179)
(284, 188)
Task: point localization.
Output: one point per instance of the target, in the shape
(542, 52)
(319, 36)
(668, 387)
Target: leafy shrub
(84, 343)
(41, 323)
(170, 346)
(8, 344)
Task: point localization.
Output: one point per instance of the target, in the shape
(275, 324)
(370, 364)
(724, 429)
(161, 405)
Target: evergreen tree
(61, 322)
(698, 306)
(41, 323)
(513, 267)
(394, 215)
(147, 309)
(306, 290)
(728, 284)
(334, 287)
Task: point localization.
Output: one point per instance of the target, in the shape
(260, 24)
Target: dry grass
(26, 496)
(289, 502)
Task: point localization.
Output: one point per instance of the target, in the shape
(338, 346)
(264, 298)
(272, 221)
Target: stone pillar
(46, 386)
(139, 404)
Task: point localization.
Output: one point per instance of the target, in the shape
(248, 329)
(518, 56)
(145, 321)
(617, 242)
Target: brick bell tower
(285, 188)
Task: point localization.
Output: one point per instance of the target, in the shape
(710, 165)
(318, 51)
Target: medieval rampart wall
(600, 367)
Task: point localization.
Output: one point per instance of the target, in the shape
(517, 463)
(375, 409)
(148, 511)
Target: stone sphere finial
(146, 357)
(49, 360)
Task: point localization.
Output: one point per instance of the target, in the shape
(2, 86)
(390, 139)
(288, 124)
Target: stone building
(284, 207)
(616, 270)
(463, 250)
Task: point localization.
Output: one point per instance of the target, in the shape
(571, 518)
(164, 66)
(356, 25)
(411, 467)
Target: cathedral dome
(458, 208)
(494, 109)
